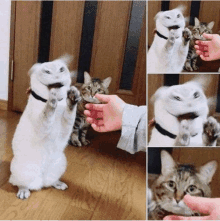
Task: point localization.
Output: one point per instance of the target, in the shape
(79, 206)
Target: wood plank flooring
(105, 183)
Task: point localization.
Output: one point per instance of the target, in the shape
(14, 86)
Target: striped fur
(89, 89)
(175, 182)
(197, 31)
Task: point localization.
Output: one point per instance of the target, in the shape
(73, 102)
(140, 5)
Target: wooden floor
(105, 183)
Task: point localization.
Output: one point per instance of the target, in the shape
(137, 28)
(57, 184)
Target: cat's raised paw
(23, 193)
(85, 142)
(53, 98)
(74, 140)
(73, 96)
(211, 130)
(187, 35)
(184, 134)
(60, 185)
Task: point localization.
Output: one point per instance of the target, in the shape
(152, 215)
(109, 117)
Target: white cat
(44, 129)
(181, 116)
(169, 49)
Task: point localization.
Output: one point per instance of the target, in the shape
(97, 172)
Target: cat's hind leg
(23, 193)
(59, 185)
(183, 138)
(211, 132)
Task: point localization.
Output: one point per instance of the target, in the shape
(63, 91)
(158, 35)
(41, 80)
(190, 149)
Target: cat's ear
(106, 82)
(211, 24)
(66, 58)
(202, 80)
(182, 8)
(157, 15)
(207, 171)
(159, 93)
(87, 78)
(167, 163)
(197, 22)
(34, 68)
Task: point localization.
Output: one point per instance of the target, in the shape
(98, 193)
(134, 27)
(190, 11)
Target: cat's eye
(89, 88)
(177, 98)
(99, 90)
(171, 184)
(46, 71)
(196, 94)
(178, 16)
(62, 69)
(167, 17)
(191, 189)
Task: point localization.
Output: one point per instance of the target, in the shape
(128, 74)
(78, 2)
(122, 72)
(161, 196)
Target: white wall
(5, 14)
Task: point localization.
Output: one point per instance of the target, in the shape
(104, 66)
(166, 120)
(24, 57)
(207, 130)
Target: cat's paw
(195, 68)
(74, 140)
(188, 67)
(187, 35)
(60, 185)
(211, 130)
(184, 134)
(23, 193)
(73, 96)
(172, 36)
(85, 142)
(53, 98)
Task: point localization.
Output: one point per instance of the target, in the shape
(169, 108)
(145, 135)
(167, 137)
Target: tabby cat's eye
(178, 16)
(196, 95)
(46, 71)
(89, 88)
(62, 69)
(177, 98)
(99, 90)
(171, 184)
(191, 188)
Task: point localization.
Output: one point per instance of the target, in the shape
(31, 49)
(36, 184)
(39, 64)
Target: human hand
(210, 206)
(209, 50)
(105, 117)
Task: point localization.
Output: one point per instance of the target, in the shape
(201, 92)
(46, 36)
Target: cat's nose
(178, 200)
(190, 104)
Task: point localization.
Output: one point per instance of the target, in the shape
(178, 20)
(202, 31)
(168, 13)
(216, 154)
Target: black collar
(38, 97)
(160, 35)
(164, 132)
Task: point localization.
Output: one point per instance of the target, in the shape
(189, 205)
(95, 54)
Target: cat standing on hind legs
(44, 129)
(169, 49)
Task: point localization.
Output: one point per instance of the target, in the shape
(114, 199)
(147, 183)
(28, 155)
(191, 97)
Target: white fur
(167, 108)
(43, 132)
(163, 56)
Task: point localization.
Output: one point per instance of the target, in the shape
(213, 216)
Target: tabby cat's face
(176, 181)
(200, 28)
(93, 86)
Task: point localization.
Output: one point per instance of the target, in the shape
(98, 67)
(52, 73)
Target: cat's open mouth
(55, 85)
(173, 27)
(188, 116)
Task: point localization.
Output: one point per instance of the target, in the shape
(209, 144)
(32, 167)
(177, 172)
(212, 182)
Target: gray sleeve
(133, 134)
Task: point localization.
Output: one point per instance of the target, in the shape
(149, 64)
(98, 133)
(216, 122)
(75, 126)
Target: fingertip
(89, 120)
(88, 106)
(87, 113)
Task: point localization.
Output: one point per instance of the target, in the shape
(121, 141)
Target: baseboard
(3, 105)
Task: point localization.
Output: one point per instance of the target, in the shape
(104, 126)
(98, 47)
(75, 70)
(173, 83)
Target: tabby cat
(175, 181)
(197, 31)
(88, 90)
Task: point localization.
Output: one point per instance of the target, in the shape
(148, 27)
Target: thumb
(201, 204)
(103, 97)
(208, 36)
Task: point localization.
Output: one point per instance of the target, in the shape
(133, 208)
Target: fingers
(203, 43)
(93, 114)
(205, 57)
(99, 128)
(201, 204)
(96, 107)
(201, 47)
(186, 218)
(208, 36)
(103, 97)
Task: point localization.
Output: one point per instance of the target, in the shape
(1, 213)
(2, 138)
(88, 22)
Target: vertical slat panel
(153, 8)
(210, 11)
(66, 29)
(109, 40)
(26, 48)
